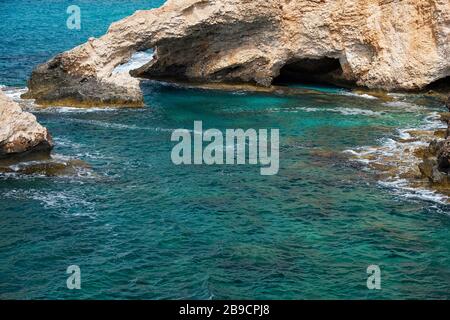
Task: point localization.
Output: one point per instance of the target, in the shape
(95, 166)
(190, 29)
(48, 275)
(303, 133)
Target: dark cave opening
(440, 85)
(323, 71)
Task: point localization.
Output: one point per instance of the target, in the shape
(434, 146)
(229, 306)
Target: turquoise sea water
(140, 227)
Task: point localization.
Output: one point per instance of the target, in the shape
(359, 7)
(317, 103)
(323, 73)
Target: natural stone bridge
(378, 44)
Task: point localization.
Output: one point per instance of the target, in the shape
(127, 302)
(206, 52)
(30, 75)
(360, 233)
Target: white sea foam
(341, 110)
(118, 126)
(358, 95)
(398, 153)
(430, 123)
(137, 60)
(389, 152)
(61, 200)
(310, 109)
(401, 147)
(110, 125)
(357, 111)
(14, 92)
(404, 134)
(64, 142)
(403, 189)
(404, 106)
(398, 95)
(75, 110)
(239, 93)
(433, 122)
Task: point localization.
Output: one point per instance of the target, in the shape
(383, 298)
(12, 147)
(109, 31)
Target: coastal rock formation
(436, 158)
(443, 156)
(403, 44)
(434, 165)
(19, 131)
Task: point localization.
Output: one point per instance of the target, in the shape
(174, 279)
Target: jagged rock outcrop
(19, 131)
(402, 44)
(430, 166)
(435, 165)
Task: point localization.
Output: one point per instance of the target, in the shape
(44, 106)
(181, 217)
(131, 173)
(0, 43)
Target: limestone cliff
(388, 44)
(19, 130)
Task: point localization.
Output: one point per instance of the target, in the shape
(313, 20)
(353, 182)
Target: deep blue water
(140, 227)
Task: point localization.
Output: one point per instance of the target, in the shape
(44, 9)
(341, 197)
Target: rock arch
(244, 41)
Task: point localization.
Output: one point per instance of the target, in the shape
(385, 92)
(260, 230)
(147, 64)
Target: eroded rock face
(19, 131)
(379, 44)
(443, 156)
(435, 165)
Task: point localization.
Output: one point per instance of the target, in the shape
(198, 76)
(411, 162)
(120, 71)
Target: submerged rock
(377, 44)
(44, 165)
(20, 133)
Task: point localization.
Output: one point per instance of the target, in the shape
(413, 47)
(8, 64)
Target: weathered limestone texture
(19, 131)
(392, 45)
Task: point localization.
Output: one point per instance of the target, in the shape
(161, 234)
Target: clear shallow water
(140, 227)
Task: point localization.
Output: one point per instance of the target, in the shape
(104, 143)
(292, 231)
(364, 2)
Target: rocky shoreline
(256, 46)
(20, 133)
(435, 165)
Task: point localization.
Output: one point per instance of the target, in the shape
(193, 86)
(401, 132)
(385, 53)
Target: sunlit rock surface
(378, 44)
(19, 131)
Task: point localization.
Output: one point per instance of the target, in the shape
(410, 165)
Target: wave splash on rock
(400, 162)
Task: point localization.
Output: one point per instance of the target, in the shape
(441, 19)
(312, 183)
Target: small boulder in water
(20, 132)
